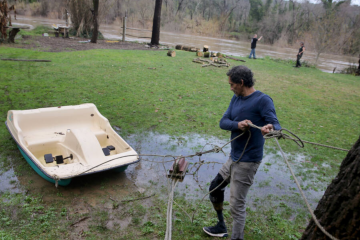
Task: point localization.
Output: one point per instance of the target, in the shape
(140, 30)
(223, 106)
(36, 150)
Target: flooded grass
(104, 204)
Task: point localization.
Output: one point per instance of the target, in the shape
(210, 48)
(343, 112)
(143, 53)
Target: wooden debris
(199, 54)
(138, 198)
(82, 219)
(25, 60)
(194, 49)
(171, 53)
(219, 63)
(153, 68)
(219, 55)
(206, 54)
(186, 48)
(236, 59)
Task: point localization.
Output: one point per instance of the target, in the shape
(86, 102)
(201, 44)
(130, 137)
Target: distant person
(253, 45)
(299, 55)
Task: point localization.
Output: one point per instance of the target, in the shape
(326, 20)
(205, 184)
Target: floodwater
(272, 178)
(326, 62)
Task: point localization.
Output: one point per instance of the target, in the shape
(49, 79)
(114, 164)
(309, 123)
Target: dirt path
(59, 44)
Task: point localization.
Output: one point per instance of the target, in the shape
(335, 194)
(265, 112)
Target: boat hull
(62, 182)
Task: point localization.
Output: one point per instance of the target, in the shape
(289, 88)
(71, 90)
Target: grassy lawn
(146, 91)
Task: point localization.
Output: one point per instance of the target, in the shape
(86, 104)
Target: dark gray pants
(298, 64)
(241, 178)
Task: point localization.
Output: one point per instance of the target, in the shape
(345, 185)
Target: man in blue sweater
(246, 106)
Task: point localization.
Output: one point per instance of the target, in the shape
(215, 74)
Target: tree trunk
(95, 21)
(12, 34)
(155, 37)
(339, 209)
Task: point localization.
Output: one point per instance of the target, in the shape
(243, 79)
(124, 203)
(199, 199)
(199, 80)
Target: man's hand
(243, 125)
(267, 128)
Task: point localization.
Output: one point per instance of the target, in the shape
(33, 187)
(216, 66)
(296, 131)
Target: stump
(206, 54)
(171, 53)
(219, 55)
(12, 34)
(179, 47)
(206, 48)
(185, 48)
(199, 54)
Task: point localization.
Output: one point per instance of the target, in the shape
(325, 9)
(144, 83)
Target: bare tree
(95, 13)
(155, 37)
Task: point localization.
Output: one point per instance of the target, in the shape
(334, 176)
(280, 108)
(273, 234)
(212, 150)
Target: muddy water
(147, 177)
(326, 62)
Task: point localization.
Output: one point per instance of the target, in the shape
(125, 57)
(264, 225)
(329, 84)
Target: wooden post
(124, 27)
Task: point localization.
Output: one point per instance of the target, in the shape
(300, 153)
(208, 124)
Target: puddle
(9, 182)
(145, 177)
(273, 176)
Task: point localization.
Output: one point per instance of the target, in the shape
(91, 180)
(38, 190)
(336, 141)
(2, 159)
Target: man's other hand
(243, 125)
(267, 128)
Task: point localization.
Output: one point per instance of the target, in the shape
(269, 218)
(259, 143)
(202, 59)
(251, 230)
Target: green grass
(37, 31)
(178, 97)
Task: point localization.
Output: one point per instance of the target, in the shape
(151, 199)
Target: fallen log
(171, 53)
(25, 60)
(179, 47)
(236, 59)
(199, 54)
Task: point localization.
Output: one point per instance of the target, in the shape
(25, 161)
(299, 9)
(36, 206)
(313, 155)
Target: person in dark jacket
(253, 45)
(299, 55)
(246, 106)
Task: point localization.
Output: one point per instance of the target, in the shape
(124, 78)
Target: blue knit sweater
(259, 109)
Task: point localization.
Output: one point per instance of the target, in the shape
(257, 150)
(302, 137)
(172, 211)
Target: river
(326, 62)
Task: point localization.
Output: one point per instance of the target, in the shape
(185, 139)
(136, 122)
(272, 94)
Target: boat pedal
(106, 151)
(111, 147)
(59, 159)
(48, 158)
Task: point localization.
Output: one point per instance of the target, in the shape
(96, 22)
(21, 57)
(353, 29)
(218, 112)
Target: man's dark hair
(239, 73)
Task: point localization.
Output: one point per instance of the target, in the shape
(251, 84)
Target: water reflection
(326, 62)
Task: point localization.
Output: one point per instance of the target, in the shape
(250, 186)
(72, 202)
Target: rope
(169, 210)
(303, 195)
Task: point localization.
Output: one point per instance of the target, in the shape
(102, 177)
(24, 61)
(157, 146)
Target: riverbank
(143, 92)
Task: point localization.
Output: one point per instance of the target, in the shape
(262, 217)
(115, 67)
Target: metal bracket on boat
(178, 169)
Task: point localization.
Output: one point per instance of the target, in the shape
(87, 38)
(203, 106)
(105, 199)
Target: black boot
(219, 230)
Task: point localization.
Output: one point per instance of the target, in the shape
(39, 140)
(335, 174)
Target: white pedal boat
(61, 143)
